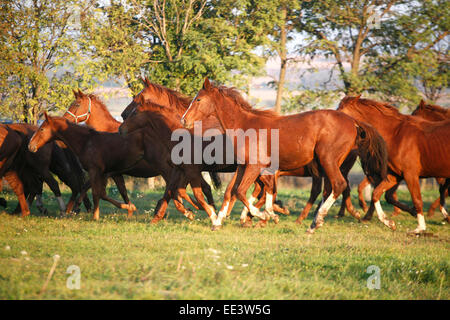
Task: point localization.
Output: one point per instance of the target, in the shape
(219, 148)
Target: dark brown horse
(159, 124)
(325, 135)
(10, 164)
(101, 154)
(89, 109)
(40, 165)
(417, 148)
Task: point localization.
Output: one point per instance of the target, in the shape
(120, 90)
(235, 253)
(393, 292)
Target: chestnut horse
(432, 113)
(101, 154)
(89, 109)
(325, 135)
(435, 113)
(417, 148)
(179, 103)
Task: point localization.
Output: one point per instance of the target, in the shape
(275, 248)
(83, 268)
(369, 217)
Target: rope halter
(87, 114)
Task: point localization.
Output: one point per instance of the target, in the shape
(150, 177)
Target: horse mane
(433, 108)
(176, 100)
(235, 95)
(101, 104)
(383, 107)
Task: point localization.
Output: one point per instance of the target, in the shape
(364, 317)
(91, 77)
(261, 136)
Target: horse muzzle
(32, 147)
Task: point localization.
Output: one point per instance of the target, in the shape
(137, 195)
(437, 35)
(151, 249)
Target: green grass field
(180, 259)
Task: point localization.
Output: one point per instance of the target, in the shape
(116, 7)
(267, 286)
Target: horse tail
(372, 151)
(215, 179)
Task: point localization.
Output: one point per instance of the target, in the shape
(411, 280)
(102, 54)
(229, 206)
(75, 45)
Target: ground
(121, 258)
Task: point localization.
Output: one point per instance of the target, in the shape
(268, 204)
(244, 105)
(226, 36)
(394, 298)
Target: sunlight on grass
(180, 259)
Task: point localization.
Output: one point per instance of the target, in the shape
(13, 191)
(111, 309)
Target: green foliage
(37, 39)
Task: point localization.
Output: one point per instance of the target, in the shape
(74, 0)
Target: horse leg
(14, 182)
(194, 176)
(206, 189)
(257, 194)
(271, 192)
(361, 187)
(388, 183)
(249, 174)
(443, 192)
(316, 187)
(120, 183)
(413, 184)
(82, 196)
(391, 197)
(338, 185)
(53, 184)
(178, 196)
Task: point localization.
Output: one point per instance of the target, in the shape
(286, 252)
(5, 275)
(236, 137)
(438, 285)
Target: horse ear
(358, 96)
(147, 82)
(46, 116)
(80, 93)
(207, 85)
(75, 93)
(422, 103)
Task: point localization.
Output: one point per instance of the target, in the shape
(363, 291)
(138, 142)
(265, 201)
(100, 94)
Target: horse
(416, 147)
(179, 103)
(429, 112)
(434, 113)
(325, 135)
(10, 163)
(101, 154)
(49, 159)
(89, 109)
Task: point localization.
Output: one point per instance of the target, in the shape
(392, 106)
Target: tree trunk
(283, 58)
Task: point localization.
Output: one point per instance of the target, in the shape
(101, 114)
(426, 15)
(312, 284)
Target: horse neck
(226, 111)
(74, 136)
(386, 125)
(101, 120)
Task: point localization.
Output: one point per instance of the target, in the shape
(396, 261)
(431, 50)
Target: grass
(180, 259)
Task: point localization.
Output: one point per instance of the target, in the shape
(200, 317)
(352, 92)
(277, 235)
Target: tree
(347, 31)
(37, 38)
(381, 47)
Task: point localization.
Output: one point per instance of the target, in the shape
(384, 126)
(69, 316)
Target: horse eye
(198, 99)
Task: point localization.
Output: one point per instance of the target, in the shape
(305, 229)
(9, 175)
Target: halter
(87, 114)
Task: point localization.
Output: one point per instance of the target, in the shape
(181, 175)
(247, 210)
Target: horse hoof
(364, 220)
(261, 224)
(154, 221)
(299, 221)
(190, 215)
(246, 223)
(416, 232)
(276, 219)
(216, 228)
(393, 226)
(310, 231)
